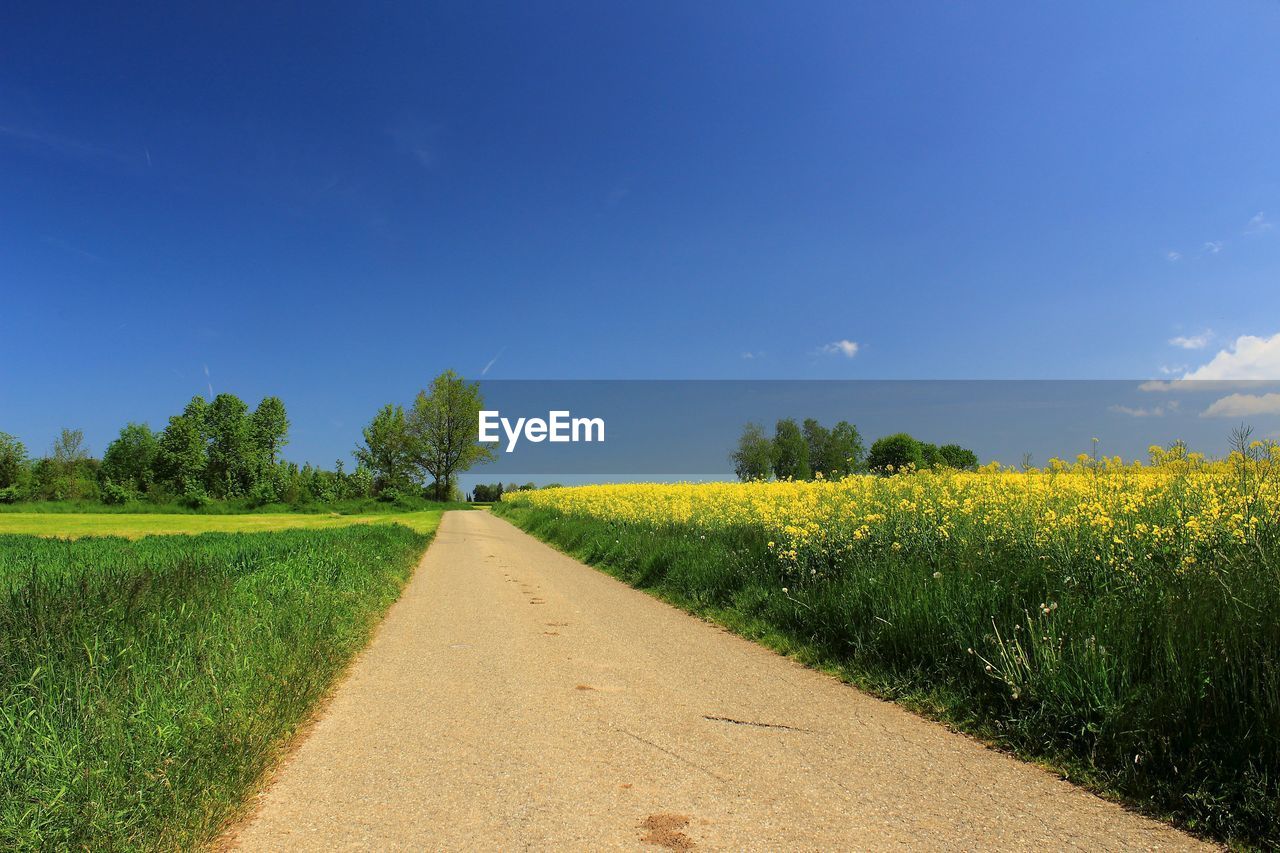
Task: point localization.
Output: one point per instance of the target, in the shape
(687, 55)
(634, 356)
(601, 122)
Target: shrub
(893, 453)
(115, 494)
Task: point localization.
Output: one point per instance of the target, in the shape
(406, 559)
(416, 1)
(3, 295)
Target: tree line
(212, 450)
(220, 450)
(493, 492)
(809, 450)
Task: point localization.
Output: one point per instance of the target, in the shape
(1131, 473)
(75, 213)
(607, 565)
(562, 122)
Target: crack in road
(758, 725)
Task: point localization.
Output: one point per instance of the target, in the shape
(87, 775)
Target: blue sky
(333, 202)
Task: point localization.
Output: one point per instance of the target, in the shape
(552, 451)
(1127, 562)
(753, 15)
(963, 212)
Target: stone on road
(515, 698)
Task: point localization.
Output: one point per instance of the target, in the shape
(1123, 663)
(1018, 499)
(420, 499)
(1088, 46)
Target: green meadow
(147, 682)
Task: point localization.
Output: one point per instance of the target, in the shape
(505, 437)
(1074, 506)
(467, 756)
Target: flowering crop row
(1173, 515)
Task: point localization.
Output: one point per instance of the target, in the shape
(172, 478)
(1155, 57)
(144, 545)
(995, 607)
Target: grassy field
(1120, 622)
(133, 526)
(146, 685)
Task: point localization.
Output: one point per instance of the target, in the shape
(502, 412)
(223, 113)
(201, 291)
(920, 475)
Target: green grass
(1167, 696)
(145, 686)
(133, 526)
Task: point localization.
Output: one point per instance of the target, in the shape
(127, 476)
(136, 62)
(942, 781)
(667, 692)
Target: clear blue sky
(333, 202)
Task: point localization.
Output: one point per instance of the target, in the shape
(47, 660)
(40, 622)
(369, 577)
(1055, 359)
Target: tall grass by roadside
(1150, 669)
(145, 686)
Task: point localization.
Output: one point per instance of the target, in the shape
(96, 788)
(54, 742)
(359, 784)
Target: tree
(790, 451)
(270, 428)
(893, 453)
(182, 456)
(484, 493)
(360, 482)
(130, 460)
(385, 452)
(930, 457)
(844, 451)
(13, 461)
(232, 468)
(818, 439)
(70, 449)
(955, 456)
(753, 460)
(444, 431)
(68, 472)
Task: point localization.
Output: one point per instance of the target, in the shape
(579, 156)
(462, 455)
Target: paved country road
(514, 698)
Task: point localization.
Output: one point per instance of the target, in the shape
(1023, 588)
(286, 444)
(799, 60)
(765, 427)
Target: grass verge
(146, 686)
(1143, 724)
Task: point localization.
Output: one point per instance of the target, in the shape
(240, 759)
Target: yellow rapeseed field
(66, 525)
(1176, 510)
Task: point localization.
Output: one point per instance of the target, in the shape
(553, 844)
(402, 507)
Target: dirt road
(514, 698)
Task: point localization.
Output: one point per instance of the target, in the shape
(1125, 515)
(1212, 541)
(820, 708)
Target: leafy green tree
(13, 461)
(386, 453)
(270, 427)
(70, 448)
(360, 482)
(130, 460)
(753, 460)
(790, 451)
(68, 473)
(955, 456)
(485, 493)
(183, 453)
(232, 468)
(844, 451)
(818, 438)
(444, 431)
(929, 455)
(894, 453)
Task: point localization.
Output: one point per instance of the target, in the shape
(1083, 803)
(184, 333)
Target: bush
(262, 494)
(10, 494)
(960, 458)
(893, 453)
(115, 494)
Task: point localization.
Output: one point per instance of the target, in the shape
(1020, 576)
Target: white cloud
(1249, 357)
(1213, 247)
(1173, 256)
(1171, 370)
(1154, 412)
(1258, 224)
(1243, 406)
(846, 348)
(1199, 341)
(749, 355)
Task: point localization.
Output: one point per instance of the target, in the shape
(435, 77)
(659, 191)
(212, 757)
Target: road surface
(514, 698)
